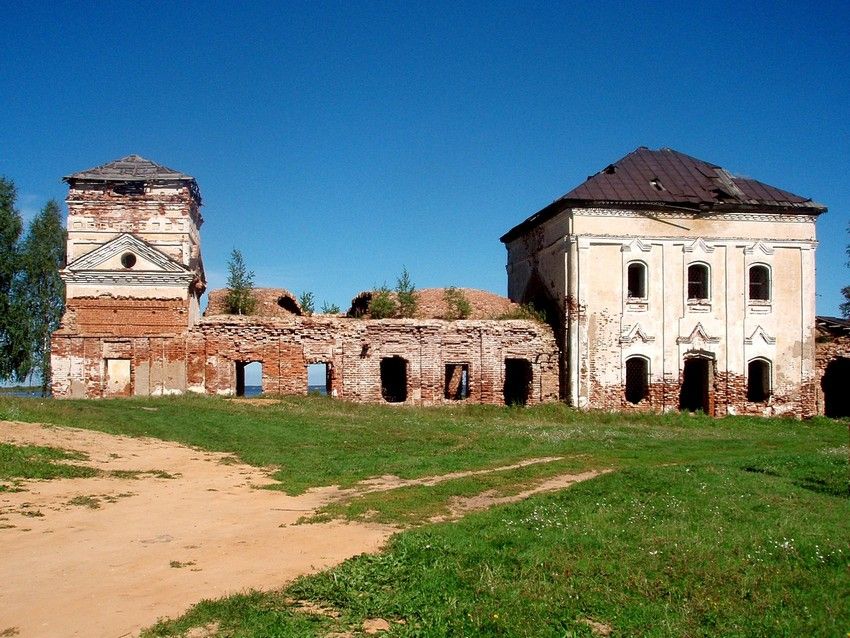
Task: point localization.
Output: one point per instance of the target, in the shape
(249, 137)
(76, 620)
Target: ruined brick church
(667, 283)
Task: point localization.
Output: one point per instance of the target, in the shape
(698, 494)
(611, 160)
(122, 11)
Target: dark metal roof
(833, 324)
(132, 168)
(667, 178)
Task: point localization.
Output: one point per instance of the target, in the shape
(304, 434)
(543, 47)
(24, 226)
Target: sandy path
(77, 571)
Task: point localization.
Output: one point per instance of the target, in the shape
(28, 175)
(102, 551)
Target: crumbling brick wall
(830, 346)
(354, 349)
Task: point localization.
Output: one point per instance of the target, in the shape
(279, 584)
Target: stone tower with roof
(674, 284)
(134, 269)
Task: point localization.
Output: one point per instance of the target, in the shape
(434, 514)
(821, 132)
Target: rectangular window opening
(394, 379)
(518, 377)
(457, 381)
(249, 378)
(320, 378)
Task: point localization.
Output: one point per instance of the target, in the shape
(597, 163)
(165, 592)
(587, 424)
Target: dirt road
(107, 556)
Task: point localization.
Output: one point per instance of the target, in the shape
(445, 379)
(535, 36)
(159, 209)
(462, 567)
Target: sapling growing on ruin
(330, 308)
(382, 304)
(307, 303)
(406, 295)
(240, 298)
(457, 305)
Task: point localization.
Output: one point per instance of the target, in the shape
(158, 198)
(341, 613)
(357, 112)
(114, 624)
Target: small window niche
(457, 381)
(758, 381)
(394, 379)
(636, 281)
(637, 379)
(759, 285)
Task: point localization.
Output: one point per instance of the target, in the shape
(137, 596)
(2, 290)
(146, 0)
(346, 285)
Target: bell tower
(134, 233)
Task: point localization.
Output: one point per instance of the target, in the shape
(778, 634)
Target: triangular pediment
(698, 335)
(760, 333)
(108, 258)
(634, 333)
(698, 245)
(636, 245)
(759, 246)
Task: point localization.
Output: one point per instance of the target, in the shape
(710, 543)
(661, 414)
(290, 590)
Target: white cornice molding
(127, 278)
(669, 214)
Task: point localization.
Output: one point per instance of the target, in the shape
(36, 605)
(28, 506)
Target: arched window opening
(637, 280)
(760, 283)
(758, 380)
(637, 379)
(698, 281)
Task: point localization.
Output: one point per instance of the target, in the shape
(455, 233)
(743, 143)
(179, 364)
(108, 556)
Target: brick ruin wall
(204, 359)
(829, 347)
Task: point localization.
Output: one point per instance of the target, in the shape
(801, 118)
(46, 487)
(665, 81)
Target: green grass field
(702, 527)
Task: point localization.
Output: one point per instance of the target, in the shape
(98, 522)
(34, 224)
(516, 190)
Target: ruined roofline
(132, 169)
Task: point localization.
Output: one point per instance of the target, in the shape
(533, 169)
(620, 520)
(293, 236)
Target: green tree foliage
(382, 305)
(14, 357)
(330, 308)
(457, 305)
(240, 298)
(307, 303)
(40, 290)
(845, 307)
(406, 295)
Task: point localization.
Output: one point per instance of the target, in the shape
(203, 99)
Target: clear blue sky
(335, 142)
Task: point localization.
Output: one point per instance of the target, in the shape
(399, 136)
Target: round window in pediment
(128, 260)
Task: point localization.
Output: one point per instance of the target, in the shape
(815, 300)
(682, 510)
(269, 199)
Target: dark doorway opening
(249, 378)
(517, 387)
(394, 379)
(457, 381)
(758, 380)
(320, 378)
(637, 379)
(836, 388)
(695, 394)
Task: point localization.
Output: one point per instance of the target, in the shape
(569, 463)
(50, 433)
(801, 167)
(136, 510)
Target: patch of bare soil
(391, 482)
(107, 556)
(460, 506)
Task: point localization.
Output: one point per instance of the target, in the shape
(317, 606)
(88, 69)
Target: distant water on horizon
(257, 390)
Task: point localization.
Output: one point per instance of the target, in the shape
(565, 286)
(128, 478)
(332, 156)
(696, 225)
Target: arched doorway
(835, 384)
(697, 382)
